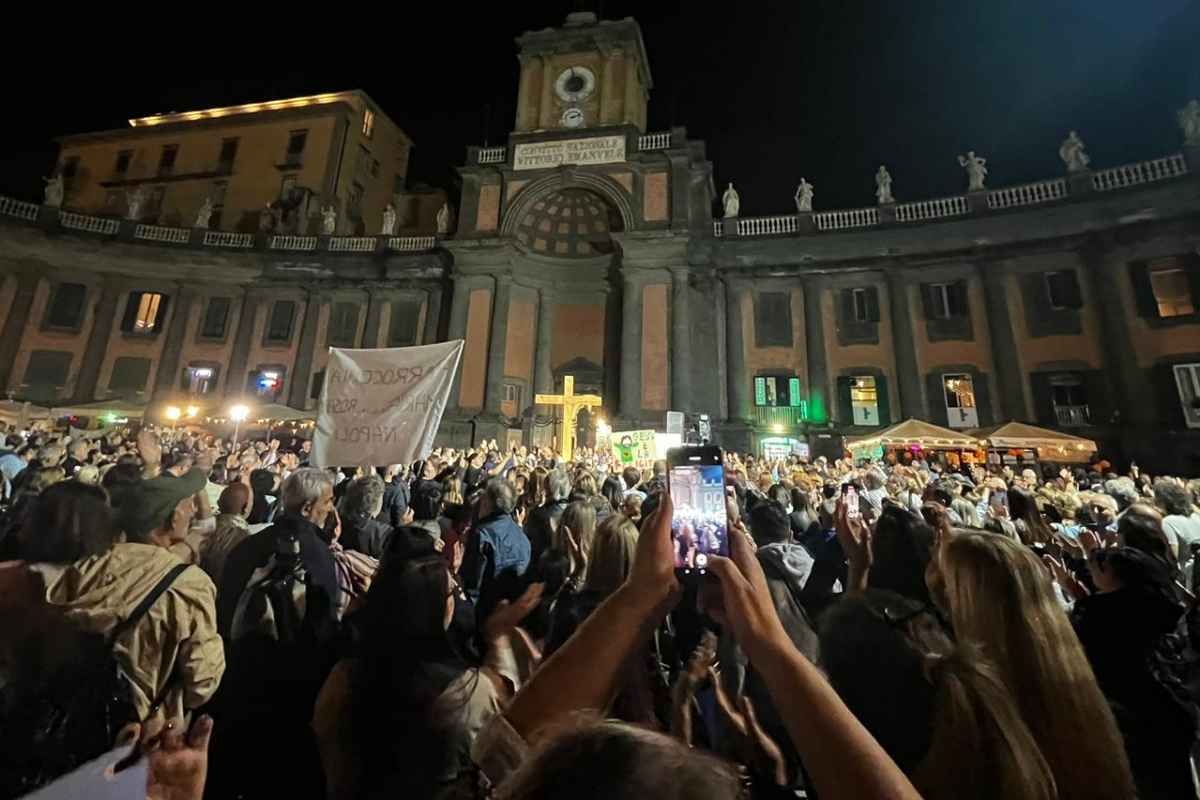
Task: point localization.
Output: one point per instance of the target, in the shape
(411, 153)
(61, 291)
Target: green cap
(146, 505)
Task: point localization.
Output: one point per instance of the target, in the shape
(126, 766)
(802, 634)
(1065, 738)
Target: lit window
(777, 390)
(1172, 292)
(199, 380)
(147, 312)
(266, 383)
(861, 309)
(959, 391)
(864, 400)
(1187, 380)
(368, 128)
(1070, 400)
(144, 312)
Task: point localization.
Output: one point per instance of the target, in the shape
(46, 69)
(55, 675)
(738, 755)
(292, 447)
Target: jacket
(174, 652)
(367, 536)
(539, 528)
(498, 546)
(232, 530)
(395, 502)
(255, 551)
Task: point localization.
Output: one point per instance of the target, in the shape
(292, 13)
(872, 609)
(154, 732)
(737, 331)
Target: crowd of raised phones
(506, 624)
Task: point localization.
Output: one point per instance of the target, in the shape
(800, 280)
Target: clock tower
(586, 74)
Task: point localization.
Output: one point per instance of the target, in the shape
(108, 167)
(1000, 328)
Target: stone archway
(567, 208)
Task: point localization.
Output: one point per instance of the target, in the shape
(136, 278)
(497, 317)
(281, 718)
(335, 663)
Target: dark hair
(780, 494)
(903, 546)
(406, 661)
(800, 500)
(829, 490)
(1022, 505)
(1141, 528)
(611, 489)
(233, 499)
(121, 475)
(69, 521)
(632, 476)
(426, 500)
(769, 523)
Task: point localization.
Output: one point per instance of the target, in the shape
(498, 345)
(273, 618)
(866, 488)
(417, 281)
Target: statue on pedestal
(443, 218)
(54, 191)
(389, 221)
(1189, 123)
(883, 186)
(1071, 151)
(328, 220)
(976, 168)
(804, 196)
(205, 213)
(266, 219)
(732, 201)
(133, 203)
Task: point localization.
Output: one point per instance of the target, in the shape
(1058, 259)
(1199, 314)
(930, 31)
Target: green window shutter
(760, 391)
(845, 410)
(885, 406)
(1143, 291)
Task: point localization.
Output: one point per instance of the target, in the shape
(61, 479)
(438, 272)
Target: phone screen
(999, 498)
(850, 497)
(699, 525)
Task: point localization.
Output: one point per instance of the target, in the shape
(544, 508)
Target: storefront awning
(914, 432)
(1018, 435)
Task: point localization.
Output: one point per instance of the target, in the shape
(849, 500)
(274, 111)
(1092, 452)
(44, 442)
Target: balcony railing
(16, 208)
(351, 244)
(409, 244)
(159, 233)
(225, 239)
(777, 419)
(767, 226)
(1073, 416)
(1159, 169)
(923, 210)
(293, 242)
(654, 141)
(718, 230)
(850, 218)
(492, 155)
(1028, 194)
(88, 223)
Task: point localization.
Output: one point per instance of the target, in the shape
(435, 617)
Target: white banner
(383, 406)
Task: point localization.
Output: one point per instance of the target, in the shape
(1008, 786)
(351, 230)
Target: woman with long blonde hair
(998, 595)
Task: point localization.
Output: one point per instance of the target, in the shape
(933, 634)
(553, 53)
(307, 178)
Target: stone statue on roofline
(883, 186)
(976, 168)
(133, 203)
(54, 191)
(1073, 154)
(1189, 123)
(804, 196)
(389, 221)
(443, 218)
(328, 220)
(731, 201)
(205, 213)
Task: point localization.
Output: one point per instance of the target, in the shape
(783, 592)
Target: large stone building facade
(588, 247)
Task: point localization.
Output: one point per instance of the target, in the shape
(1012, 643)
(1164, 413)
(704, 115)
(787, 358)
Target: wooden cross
(571, 403)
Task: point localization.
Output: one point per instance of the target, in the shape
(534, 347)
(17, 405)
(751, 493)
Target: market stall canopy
(18, 413)
(103, 408)
(915, 432)
(275, 412)
(1018, 435)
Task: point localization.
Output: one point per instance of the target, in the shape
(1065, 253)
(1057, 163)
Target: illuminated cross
(571, 403)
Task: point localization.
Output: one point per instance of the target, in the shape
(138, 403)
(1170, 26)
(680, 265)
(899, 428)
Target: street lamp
(237, 414)
(172, 413)
(191, 412)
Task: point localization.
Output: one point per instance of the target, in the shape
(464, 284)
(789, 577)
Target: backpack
(273, 605)
(54, 723)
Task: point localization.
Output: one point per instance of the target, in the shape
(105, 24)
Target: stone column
(235, 381)
(1010, 394)
(820, 404)
(1106, 271)
(543, 375)
(167, 377)
(631, 348)
(305, 348)
(738, 381)
(14, 325)
(376, 298)
(433, 314)
(458, 330)
(497, 341)
(681, 341)
(908, 376)
(97, 343)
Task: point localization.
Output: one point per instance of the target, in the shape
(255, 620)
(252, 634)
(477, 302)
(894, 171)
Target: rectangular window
(864, 400)
(354, 202)
(46, 372)
(166, 161)
(124, 159)
(939, 300)
(1070, 400)
(229, 148)
(279, 327)
(144, 313)
(1187, 380)
(945, 300)
(1172, 292)
(129, 377)
(318, 384)
(862, 312)
(266, 383)
(402, 327)
(286, 186)
(1062, 289)
(199, 379)
(362, 167)
(66, 306)
(215, 317)
(512, 394)
(343, 324)
(773, 319)
(777, 390)
(295, 148)
(959, 391)
(368, 127)
(794, 393)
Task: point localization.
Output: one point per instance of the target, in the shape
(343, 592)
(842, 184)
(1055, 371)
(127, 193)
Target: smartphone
(999, 497)
(699, 524)
(850, 498)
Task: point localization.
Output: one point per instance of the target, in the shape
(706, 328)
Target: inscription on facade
(593, 150)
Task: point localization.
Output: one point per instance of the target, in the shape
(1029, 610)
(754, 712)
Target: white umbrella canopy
(21, 413)
(100, 408)
(917, 432)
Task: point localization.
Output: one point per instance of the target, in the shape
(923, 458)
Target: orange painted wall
(655, 369)
(879, 355)
(518, 349)
(474, 360)
(578, 333)
(793, 359)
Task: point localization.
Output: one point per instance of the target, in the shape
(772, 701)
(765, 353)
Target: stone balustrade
(767, 226)
(226, 239)
(718, 231)
(304, 243)
(16, 208)
(845, 219)
(1172, 166)
(654, 141)
(159, 233)
(88, 223)
(352, 244)
(1027, 194)
(924, 210)
(492, 155)
(411, 244)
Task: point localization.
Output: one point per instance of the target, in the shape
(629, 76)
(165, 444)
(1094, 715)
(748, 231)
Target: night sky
(825, 89)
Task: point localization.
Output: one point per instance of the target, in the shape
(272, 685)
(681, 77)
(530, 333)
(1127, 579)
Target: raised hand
(179, 765)
(508, 615)
(855, 537)
(743, 604)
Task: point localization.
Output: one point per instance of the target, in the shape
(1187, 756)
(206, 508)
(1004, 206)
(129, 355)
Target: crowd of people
(488, 623)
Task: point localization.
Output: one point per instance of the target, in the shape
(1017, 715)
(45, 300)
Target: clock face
(575, 84)
(572, 118)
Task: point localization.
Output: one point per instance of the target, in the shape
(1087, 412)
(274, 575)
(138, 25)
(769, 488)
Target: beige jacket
(174, 653)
